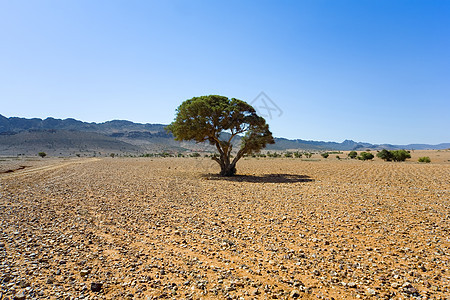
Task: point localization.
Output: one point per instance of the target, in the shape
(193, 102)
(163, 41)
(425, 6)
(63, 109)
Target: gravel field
(162, 228)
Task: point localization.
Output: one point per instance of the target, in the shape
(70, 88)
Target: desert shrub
(385, 155)
(308, 154)
(288, 154)
(42, 154)
(195, 154)
(365, 156)
(275, 154)
(353, 154)
(112, 155)
(400, 155)
(424, 159)
(297, 154)
(325, 155)
(338, 157)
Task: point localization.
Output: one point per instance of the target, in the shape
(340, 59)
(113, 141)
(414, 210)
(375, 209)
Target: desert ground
(284, 228)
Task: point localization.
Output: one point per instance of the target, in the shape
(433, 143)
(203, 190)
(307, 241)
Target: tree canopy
(218, 120)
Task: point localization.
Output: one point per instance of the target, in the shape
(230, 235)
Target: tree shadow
(265, 178)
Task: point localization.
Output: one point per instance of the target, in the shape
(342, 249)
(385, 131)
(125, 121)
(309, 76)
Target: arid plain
(148, 228)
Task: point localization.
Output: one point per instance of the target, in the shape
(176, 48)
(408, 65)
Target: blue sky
(373, 71)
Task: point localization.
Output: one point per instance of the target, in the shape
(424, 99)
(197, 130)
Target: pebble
(142, 233)
(294, 294)
(96, 287)
(20, 296)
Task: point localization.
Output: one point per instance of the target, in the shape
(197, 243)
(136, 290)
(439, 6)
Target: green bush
(365, 156)
(353, 154)
(400, 155)
(298, 154)
(385, 155)
(424, 159)
(42, 154)
(325, 155)
(395, 155)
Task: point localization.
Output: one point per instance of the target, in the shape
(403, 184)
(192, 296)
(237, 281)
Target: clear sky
(372, 71)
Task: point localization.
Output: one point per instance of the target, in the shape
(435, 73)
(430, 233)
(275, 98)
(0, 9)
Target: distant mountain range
(74, 137)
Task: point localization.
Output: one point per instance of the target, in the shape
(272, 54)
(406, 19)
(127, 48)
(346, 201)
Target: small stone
(351, 284)
(295, 294)
(96, 286)
(2, 245)
(23, 284)
(371, 292)
(84, 272)
(19, 296)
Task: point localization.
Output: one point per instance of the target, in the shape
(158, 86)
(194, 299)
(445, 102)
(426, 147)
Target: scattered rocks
(96, 287)
(132, 228)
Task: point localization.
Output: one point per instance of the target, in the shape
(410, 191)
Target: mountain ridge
(69, 136)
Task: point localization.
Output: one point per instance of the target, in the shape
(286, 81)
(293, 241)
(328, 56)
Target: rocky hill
(74, 137)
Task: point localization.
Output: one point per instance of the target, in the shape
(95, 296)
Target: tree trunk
(228, 170)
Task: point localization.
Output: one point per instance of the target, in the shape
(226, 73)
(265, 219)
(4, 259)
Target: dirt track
(148, 228)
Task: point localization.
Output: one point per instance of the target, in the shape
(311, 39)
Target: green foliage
(353, 154)
(288, 154)
(395, 155)
(424, 159)
(206, 118)
(308, 154)
(365, 156)
(297, 154)
(112, 155)
(195, 154)
(274, 155)
(42, 154)
(385, 155)
(400, 155)
(325, 155)
(338, 157)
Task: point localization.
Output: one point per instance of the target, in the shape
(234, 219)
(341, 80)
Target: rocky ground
(160, 228)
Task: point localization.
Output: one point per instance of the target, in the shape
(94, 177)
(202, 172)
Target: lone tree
(218, 120)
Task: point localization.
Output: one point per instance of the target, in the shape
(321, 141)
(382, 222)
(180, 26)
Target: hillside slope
(70, 137)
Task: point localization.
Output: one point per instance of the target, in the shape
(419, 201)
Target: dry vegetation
(149, 228)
